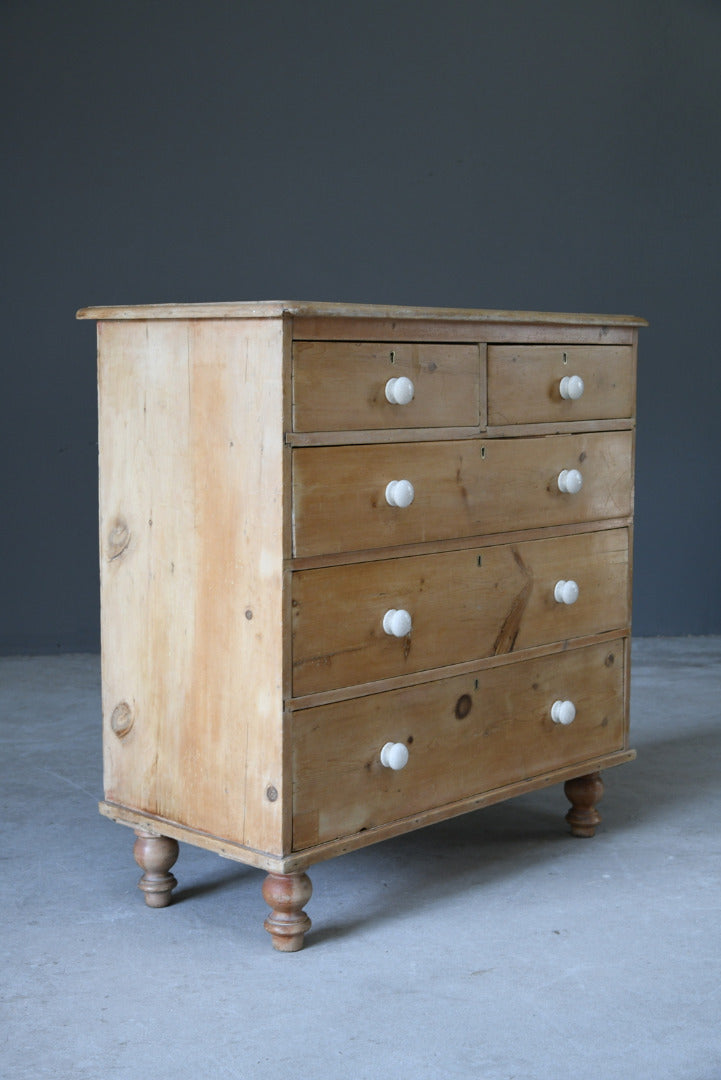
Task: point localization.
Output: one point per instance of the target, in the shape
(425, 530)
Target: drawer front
(524, 383)
(339, 386)
(465, 736)
(463, 606)
(464, 488)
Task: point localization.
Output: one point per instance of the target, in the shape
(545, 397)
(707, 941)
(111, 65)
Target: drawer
(463, 606)
(468, 487)
(465, 736)
(339, 386)
(524, 383)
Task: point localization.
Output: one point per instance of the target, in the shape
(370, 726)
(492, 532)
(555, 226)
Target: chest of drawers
(362, 569)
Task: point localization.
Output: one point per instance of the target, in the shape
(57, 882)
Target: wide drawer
(341, 385)
(465, 736)
(460, 488)
(525, 383)
(463, 606)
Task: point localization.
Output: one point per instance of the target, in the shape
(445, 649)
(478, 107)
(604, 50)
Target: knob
(563, 712)
(566, 592)
(570, 481)
(400, 493)
(401, 390)
(397, 622)
(394, 755)
(571, 387)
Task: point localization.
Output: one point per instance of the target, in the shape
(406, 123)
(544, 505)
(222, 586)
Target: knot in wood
(118, 539)
(463, 706)
(122, 719)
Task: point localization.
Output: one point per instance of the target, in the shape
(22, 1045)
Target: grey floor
(493, 946)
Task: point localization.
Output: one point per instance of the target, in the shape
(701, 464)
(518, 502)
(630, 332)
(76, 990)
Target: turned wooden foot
(287, 923)
(155, 855)
(584, 793)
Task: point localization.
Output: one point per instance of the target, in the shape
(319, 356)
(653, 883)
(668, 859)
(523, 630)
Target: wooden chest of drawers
(362, 569)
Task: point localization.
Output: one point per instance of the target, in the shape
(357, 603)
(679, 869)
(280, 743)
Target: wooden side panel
(464, 605)
(467, 488)
(191, 539)
(524, 381)
(465, 735)
(340, 386)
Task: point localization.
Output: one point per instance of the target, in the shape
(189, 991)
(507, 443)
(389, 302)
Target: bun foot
(155, 855)
(287, 923)
(584, 792)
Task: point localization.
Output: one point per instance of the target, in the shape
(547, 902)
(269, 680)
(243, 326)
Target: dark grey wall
(507, 153)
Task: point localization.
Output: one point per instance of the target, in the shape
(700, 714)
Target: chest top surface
(265, 309)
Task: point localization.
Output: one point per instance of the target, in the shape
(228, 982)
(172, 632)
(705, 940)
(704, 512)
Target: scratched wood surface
(462, 738)
(464, 605)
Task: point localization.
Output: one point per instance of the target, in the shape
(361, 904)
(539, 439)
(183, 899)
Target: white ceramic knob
(394, 755)
(570, 481)
(563, 712)
(566, 592)
(400, 391)
(397, 622)
(400, 493)
(571, 387)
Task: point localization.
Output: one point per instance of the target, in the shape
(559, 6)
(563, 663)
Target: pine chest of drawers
(362, 569)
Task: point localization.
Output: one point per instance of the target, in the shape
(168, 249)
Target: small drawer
(442, 490)
(463, 736)
(526, 383)
(454, 607)
(342, 386)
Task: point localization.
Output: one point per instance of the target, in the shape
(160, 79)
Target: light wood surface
(414, 678)
(464, 605)
(303, 860)
(340, 386)
(248, 555)
(265, 309)
(462, 739)
(486, 328)
(191, 567)
(461, 489)
(524, 383)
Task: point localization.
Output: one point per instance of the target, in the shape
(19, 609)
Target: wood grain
(302, 860)
(486, 328)
(341, 385)
(192, 617)
(248, 556)
(469, 488)
(524, 381)
(481, 602)
(264, 309)
(464, 735)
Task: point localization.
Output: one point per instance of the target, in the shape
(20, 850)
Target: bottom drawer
(464, 736)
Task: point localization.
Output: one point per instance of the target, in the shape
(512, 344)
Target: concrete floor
(493, 946)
